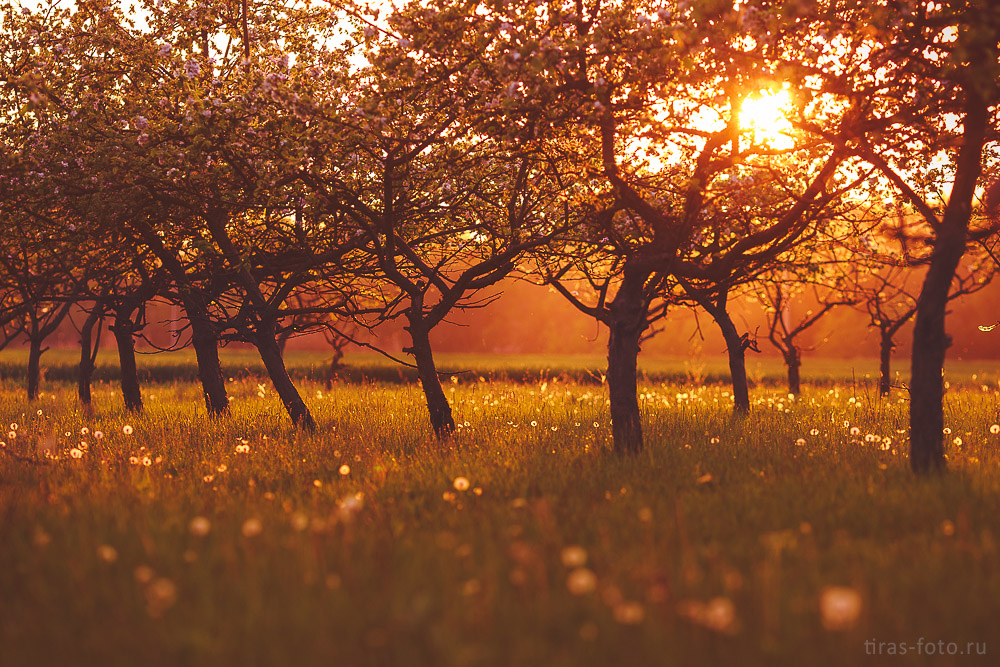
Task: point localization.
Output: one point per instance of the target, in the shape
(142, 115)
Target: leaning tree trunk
(206, 349)
(34, 366)
(626, 322)
(437, 403)
(929, 338)
(737, 359)
(885, 364)
(793, 361)
(270, 353)
(123, 330)
(88, 355)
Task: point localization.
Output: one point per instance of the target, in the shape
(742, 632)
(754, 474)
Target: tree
(922, 81)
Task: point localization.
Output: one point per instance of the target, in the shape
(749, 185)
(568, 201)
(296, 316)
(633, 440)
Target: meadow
(793, 536)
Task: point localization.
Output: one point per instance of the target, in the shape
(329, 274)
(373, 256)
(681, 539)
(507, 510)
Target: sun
(763, 117)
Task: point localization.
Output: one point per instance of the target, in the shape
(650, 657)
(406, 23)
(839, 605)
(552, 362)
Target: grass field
(792, 537)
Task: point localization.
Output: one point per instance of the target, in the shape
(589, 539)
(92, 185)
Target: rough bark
(737, 360)
(123, 330)
(88, 355)
(270, 354)
(929, 338)
(34, 366)
(626, 322)
(437, 403)
(206, 349)
(885, 364)
(793, 362)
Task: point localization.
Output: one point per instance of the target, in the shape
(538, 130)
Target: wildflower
(345, 470)
(146, 461)
(143, 574)
(98, 435)
(252, 527)
(714, 441)
(199, 526)
(800, 442)
(840, 607)
(574, 556)
(134, 460)
(164, 50)
(855, 430)
(13, 426)
(581, 581)
(84, 431)
(242, 449)
(208, 479)
(222, 467)
(12, 435)
(75, 453)
(957, 441)
(995, 429)
(127, 429)
(461, 484)
(946, 431)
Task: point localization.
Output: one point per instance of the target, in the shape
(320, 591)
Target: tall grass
(715, 545)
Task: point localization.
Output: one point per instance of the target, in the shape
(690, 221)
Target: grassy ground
(792, 537)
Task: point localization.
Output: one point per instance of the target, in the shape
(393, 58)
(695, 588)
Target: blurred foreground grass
(792, 537)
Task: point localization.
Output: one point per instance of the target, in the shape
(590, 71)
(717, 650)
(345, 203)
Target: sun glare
(762, 115)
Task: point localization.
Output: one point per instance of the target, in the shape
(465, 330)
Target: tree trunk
(206, 350)
(437, 403)
(123, 330)
(793, 360)
(626, 323)
(929, 338)
(270, 354)
(737, 360)
(88, 355)
(885, 365)
(34, 366)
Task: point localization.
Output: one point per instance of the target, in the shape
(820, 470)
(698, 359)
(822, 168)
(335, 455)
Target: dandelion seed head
(199, 526)
(629, 613)
(840, 607)
(252, 527)
(573, 556)
(581, 581)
